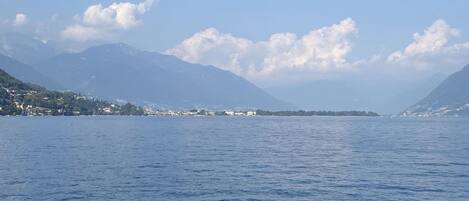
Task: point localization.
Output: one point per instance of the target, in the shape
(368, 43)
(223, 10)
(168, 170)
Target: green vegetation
(19, 98)
(315, 113)
(129, 109)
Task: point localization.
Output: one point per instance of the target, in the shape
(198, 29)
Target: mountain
(336, 95)
(413, 92)
(121, 72)
(19, 98)
(450, 98)
(24, 48)
(25, 72)
(382, 94)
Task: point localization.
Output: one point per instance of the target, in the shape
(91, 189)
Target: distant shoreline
(299, 113)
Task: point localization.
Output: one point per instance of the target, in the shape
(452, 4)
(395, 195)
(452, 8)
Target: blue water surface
(233, 158)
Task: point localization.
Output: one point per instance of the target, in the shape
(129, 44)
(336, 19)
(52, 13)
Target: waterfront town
(196, 112)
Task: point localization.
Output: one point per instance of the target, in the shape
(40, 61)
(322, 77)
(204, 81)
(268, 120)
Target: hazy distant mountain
(121, 72)
(374, 94)
(450, 98)
(324, 95)
(413, 92)
(24, 48)
(25, 72)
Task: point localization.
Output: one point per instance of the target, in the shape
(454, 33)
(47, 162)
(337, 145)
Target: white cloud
(84, 33)
(212, 47)
(20, 20)
(324, 49)
(99, 22)
(117, 15)
(431, 48)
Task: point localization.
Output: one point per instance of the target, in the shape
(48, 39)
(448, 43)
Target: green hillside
(19, 98)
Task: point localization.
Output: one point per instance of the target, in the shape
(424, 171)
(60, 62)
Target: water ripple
(233, 158)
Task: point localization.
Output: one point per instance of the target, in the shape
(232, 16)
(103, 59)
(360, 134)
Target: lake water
(233, 158)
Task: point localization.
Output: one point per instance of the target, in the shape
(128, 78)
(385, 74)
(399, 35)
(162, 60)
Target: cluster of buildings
(198, 113)
(239, 113)
(26, 109)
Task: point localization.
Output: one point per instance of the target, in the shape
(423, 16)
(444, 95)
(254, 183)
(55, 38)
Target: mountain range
(450, 98)
(123, 73)
(373, 94)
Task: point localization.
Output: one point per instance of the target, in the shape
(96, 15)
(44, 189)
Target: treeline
(315, 113)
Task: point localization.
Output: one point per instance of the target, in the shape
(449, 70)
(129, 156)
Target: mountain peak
(113, 48)
(120, 45)
(120, 71)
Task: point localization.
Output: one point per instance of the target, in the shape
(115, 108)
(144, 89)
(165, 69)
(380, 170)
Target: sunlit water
(233, 158)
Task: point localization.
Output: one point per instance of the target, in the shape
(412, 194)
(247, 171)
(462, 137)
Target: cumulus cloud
(431, 47)
(20, 20)
(84, 33)
(99, 22)
(323, 49)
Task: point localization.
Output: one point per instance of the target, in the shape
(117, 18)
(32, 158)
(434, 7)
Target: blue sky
(382, 24)
(380, 27)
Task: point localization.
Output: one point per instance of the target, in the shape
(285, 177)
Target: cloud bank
(321, 51)
(431, 48)
(99, 22)
(324, 49)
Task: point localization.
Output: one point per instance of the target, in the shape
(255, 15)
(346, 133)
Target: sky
(267, 42)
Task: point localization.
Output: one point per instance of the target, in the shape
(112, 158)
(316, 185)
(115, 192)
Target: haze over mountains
(25, 73)
(374, 94)
(120, 72)
(24, 48)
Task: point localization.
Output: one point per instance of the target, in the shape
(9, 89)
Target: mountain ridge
(121, 72)
(450, 98)
(25, 72)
